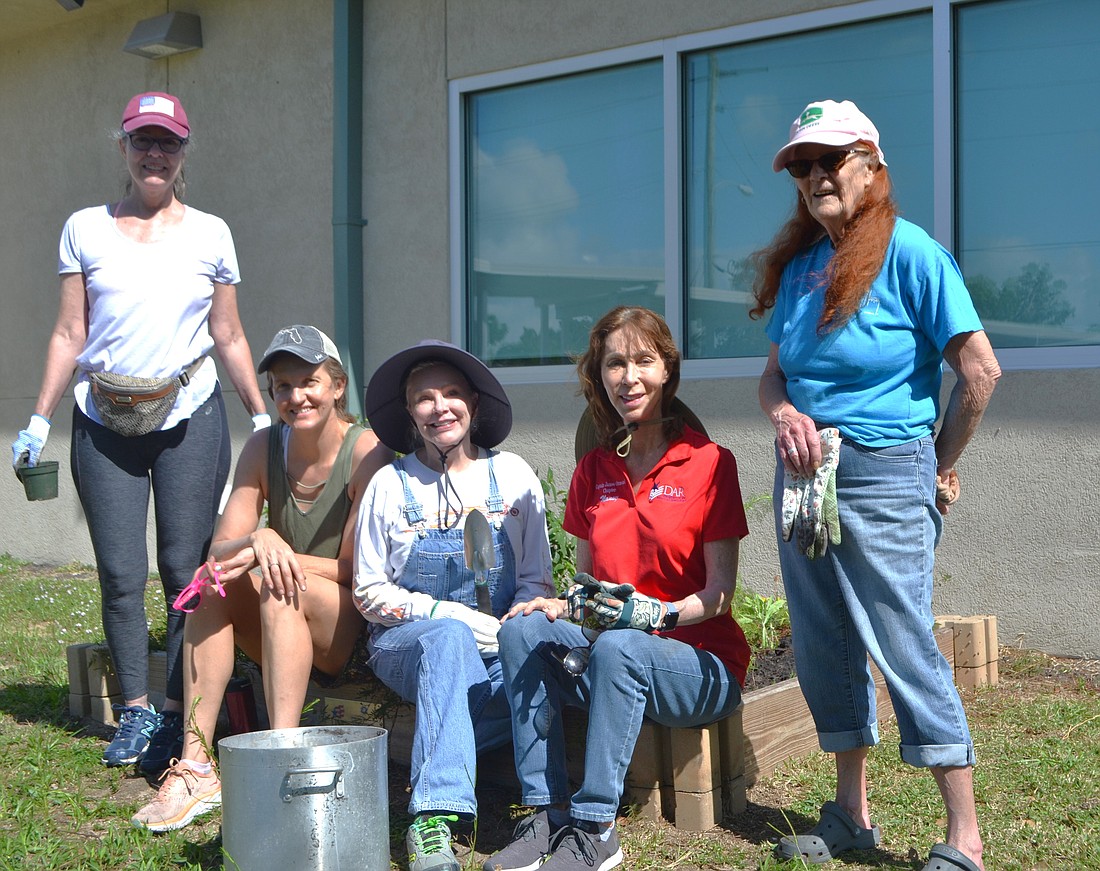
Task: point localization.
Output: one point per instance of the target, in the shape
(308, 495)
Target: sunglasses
(190, 597)
(829, 162)
(169, 144)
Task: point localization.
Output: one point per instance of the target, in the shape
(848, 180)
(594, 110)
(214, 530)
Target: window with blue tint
(565, 210)
(1028, 236)
(739, 104)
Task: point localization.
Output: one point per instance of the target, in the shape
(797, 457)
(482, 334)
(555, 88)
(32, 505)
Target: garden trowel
(477, 540)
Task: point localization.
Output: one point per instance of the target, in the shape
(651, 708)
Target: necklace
(294, 480)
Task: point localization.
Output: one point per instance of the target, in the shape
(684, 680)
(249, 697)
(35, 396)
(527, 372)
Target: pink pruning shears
(193, 591)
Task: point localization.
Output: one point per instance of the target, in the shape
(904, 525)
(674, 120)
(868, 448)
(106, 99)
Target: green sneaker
(428, 843)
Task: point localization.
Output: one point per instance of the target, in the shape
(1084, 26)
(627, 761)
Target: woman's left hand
(278, 564)
(552, 608)
(948, 490)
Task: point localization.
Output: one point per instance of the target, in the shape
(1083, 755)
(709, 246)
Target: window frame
(671, 52)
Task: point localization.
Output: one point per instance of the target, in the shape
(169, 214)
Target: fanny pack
(134, 406)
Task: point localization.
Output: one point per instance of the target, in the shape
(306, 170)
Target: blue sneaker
(136, 726)
(166, 745)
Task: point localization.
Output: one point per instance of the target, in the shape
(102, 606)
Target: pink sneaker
(182, 796)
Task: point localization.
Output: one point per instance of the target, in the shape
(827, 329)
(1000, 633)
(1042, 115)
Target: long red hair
(856, 263)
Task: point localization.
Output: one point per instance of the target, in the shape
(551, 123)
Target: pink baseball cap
(829, 123)
(155, 109)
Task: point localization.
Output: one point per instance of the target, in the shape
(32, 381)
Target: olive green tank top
(319, 530)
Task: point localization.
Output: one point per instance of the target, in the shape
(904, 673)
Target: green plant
(764, 619)
(563, 547)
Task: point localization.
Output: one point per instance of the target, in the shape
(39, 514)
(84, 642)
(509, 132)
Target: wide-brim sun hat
(829, 123)
(385, 397)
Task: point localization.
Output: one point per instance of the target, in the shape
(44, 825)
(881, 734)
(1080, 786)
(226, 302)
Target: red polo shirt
(653, 536)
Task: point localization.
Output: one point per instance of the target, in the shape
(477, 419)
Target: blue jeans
(187, 467)
(872, 594)
(460, 707)
(630, 676)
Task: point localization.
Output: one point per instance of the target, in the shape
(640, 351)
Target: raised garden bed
(693, 777)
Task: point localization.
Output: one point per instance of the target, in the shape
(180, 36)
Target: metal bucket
(309, 798)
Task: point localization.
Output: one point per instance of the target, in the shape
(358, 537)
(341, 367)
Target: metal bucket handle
(288, 791)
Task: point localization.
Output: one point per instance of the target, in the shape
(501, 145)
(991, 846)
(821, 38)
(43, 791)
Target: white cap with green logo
(829, 123)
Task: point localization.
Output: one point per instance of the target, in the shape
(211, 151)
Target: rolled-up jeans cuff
(840, 742)
(939, 755)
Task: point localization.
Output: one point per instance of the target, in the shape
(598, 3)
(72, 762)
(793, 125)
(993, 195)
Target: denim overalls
(461, 706)
(437, 560)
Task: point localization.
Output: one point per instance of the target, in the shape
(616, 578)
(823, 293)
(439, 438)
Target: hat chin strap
(448, 485)
(623, 447)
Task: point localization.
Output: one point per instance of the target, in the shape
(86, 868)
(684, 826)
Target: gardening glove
(620, 606)
(30, 441)
(577, 595)
(484, 626)
(809, 511)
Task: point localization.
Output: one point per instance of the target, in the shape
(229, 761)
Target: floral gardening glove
(809, 510)
(619, 606)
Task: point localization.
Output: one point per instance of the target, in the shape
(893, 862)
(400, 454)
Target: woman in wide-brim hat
(446, 412)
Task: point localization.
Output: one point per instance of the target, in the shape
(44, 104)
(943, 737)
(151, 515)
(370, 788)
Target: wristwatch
(672, 617)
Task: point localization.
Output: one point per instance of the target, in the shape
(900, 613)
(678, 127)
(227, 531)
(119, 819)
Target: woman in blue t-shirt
(866, 307)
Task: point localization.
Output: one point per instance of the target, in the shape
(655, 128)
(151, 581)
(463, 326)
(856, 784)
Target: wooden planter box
(693, 777)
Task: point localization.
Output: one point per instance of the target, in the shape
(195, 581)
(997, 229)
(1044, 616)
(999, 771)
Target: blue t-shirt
(876, 378)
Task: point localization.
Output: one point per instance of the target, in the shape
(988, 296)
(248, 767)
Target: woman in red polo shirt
(658, 517)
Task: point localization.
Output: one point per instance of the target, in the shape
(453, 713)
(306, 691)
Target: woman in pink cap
(865, 308)
(148, 290)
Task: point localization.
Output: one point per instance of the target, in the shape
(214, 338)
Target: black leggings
(188, 466)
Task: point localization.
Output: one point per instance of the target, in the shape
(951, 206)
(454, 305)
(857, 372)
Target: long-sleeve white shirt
(384, 537)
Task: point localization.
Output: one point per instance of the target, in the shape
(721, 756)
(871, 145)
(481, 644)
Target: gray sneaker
(575, 848)
(529, 848)
(428, 843)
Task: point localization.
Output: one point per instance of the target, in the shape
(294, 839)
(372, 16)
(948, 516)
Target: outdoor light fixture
(164, 35)
(70, 5)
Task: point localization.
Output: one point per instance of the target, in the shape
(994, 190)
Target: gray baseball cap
(303, 341)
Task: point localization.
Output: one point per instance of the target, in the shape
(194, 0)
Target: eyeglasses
(829, 162)
(190, 597)
(169, 144)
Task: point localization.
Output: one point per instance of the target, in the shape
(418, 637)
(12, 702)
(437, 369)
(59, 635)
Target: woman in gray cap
(287, 597)
(445, 411)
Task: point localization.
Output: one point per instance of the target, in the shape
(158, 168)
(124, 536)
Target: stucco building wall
(1019, 544)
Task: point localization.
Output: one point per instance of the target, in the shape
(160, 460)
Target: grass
(1037, 737)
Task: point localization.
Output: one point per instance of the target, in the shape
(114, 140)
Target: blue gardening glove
(31, 441)
(620, 606)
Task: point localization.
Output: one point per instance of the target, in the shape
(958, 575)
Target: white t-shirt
(148, 303)
(384, 538)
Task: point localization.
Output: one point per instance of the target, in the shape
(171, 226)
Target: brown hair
(648, 328)
(856, 263)
(335, 371)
